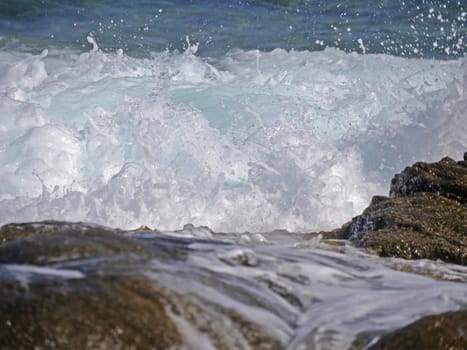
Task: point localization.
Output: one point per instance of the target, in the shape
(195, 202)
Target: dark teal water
(402, 28)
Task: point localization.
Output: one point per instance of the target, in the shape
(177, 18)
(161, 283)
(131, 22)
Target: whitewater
(252, 140)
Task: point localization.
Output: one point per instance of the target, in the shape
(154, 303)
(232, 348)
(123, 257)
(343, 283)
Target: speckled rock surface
(446, 178)
(96, 313)
(424, 217)
(77, 286)
(446, 331)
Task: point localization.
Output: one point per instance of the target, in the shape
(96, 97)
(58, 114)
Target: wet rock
(446, 178)
(46, 242)
(16, 231)
(446, 331)
(119, 312)
(110, 313)
(78, 286)
(51, 241)
(424, 217)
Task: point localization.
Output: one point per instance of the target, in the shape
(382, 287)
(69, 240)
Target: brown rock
(426, 216)
(76, 286)
(447, 178)
(109, 313)
(446, 331)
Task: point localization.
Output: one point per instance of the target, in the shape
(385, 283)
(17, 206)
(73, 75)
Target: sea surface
(243, 116)
(236, 115)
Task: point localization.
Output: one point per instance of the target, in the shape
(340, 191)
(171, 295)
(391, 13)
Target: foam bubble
(251, 141)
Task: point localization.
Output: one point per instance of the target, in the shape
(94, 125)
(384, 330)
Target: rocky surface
(77, 286)
(446, 331)
(96, 313)
(425, 216)
(446, 178)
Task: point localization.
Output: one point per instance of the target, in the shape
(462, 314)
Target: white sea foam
(251, 141)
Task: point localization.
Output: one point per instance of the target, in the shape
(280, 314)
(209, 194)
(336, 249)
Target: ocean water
(236, 115)
(243, 116)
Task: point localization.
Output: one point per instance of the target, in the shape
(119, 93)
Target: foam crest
(251, 141)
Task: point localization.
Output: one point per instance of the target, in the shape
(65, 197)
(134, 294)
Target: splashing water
(232, 130)
(250, 141)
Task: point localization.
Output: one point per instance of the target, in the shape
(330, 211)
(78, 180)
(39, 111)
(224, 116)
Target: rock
(446, 331)
(447, 178)
(425, 216)
(52, 241)
(78, 286)
(107, 313)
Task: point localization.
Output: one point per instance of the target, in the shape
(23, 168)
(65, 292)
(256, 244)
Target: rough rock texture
(107, 313)
(446, 178)
(79, 286)
(424, 217)
(446, 331)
